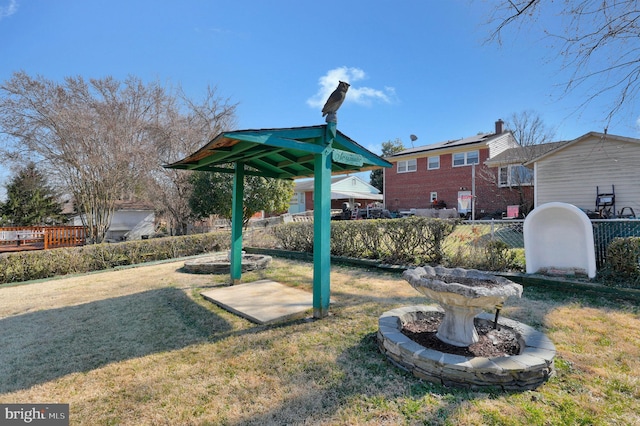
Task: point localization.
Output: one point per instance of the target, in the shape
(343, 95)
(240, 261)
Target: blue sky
(415, 66)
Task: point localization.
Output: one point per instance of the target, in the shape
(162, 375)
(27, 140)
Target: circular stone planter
(219, 263)
(527, 370)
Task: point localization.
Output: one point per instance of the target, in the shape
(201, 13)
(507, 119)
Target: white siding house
(501, 144)
(572, 172)
(130, 221)
(346, 188)
(352, 187)
(131, 224)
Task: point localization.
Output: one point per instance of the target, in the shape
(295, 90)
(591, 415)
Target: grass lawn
(139, 346)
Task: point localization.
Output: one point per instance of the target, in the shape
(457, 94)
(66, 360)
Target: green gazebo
(317, 151)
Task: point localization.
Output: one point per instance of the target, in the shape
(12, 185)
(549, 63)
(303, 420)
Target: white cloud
(361, 95)
(6, 11)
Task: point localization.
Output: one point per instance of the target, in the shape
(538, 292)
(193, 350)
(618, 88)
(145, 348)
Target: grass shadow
(368, 387)
(45, 345)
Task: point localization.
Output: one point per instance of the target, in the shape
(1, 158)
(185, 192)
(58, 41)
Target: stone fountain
(464, 295)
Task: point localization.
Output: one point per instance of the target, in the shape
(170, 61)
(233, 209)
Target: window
(503, 176)
(466, 158)
(407, 166)
(433, 163)
(515, 175)
(473, 157)
(433, 196)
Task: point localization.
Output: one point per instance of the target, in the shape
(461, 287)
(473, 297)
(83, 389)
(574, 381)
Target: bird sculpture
(335, 100)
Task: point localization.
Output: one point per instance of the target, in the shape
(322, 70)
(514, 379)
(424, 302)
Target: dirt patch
(492, 343)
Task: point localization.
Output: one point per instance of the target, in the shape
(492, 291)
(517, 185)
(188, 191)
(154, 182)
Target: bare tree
(528, 128)
(515, 179)
(599, 42)
(186, 126)
(90, 136)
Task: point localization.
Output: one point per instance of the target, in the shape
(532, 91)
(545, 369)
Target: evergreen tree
(30, 201)
(388, 148)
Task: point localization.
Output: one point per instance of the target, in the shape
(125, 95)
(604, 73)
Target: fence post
(493, 224)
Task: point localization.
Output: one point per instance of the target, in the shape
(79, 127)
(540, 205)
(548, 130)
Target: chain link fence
(470, 236)
(605, 231)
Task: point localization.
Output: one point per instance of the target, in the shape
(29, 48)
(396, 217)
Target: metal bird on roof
(335, 100)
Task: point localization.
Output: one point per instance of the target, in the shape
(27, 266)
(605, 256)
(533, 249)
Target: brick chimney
(499, 126)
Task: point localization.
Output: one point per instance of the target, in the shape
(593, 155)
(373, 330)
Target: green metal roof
(280, 153)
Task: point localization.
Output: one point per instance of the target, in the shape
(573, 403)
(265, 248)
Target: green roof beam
(271, 140)
(262, 173)
(222, 154)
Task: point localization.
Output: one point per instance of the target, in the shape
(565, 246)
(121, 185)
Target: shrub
(295, 236)
(622, 267)
(499, 257)
(415, 240)
(24, 266)
(491, 255)
(399, 241)
(361, 239)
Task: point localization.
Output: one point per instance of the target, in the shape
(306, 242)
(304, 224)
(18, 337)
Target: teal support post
(322, 226)
(236, 223)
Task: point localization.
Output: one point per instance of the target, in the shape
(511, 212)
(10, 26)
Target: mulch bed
(492, 343)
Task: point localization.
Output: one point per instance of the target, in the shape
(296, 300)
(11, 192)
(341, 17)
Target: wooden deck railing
(65, 236)
(41, 237)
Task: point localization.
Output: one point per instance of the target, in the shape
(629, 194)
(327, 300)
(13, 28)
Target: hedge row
(396, 241)
(418, 240)
(415, 240)
(24, 266)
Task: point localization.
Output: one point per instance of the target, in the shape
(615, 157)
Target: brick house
(453, 173)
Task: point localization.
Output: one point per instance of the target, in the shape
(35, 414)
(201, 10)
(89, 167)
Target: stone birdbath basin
(463, 294)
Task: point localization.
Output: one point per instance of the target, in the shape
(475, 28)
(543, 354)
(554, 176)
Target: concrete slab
(263, 301)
